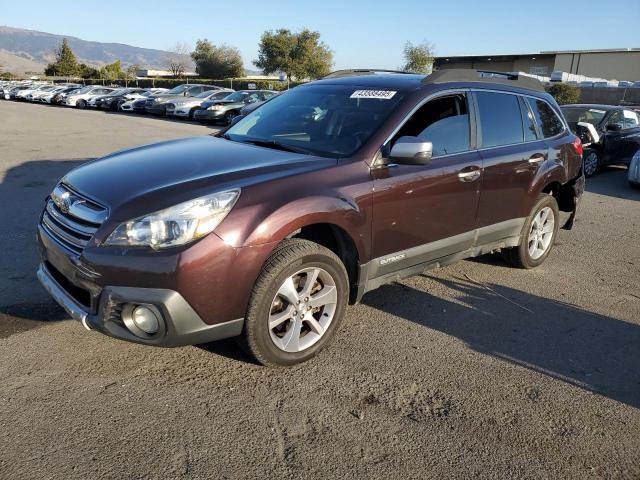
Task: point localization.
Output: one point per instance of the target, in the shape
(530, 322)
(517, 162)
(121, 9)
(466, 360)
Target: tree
(565, 93)
(300, 55)
(131, 73)
(418, 58)
(177, 59)
(65, 64)
(112, 71)
(87, 71)
(217, 62)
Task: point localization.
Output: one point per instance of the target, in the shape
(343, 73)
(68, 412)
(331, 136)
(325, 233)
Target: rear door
(512, 152)
(613, 138)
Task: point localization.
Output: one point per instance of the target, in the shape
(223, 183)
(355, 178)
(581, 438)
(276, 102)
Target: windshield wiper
(276, 145)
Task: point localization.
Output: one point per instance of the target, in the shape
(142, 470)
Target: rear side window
(528, 122)
(549, 122)
(500, 119)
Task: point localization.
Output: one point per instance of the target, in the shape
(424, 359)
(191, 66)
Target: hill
(21, 50)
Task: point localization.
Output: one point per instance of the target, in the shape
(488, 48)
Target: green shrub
(564, 93)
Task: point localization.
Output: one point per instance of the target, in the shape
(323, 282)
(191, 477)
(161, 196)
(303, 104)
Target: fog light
(142, 320)
(145, 319)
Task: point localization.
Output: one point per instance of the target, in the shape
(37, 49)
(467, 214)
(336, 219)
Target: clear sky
(361, 33)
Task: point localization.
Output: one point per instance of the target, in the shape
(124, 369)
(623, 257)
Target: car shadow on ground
(594, 352)
(23, 190)
(613, 182)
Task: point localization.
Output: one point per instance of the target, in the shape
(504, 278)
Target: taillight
(577, 145)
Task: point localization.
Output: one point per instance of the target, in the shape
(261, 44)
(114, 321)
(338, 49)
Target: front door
(425, 212)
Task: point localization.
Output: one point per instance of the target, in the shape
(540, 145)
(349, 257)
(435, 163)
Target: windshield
(178, 89)
(327, 120)
(590, 115)
(237, 96)
(84, 89)
(203, 94)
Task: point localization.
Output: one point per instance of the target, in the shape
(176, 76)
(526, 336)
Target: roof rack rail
(484, 76)
(360, 71)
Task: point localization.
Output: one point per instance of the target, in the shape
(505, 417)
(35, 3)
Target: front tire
(81, 104)
(296, 304)
(590, 162)
(229, 116)
(538, 235)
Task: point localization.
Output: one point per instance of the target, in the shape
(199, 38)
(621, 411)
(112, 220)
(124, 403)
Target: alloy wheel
(302, 309)
(541, 233)
(590, 163)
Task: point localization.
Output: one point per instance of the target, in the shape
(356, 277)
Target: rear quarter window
(547, 118)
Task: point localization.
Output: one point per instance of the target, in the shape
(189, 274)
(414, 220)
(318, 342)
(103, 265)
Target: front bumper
(210, 115)
(179, 324)
(156, 109)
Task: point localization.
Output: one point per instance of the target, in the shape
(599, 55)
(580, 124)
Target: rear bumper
(180, 324)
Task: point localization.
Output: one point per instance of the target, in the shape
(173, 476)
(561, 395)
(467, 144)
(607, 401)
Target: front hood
(151, 177)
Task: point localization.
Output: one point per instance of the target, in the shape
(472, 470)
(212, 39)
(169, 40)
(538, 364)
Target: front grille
(72, 219)
(149, 103)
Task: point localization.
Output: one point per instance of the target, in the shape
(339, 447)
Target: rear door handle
(537, 158)
(469, 175)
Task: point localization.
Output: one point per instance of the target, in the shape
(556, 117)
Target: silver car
(634, 170)
(186, 106)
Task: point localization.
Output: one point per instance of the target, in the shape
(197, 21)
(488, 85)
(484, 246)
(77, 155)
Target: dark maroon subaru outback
(321, 195)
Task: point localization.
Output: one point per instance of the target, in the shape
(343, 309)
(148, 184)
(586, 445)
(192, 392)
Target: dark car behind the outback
(322, 194)
(610, 134)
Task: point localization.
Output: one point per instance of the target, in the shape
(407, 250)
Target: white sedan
(80, 98)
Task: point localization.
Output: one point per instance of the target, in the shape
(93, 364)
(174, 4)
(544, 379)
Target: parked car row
(205, 103)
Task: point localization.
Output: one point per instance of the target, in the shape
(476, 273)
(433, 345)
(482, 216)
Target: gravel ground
(474, 370)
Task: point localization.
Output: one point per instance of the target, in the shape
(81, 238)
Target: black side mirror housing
(614, 127)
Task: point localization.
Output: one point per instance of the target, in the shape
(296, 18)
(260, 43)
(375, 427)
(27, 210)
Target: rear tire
(590, 162)
(81, 104)
(289, 320)
(538, 235)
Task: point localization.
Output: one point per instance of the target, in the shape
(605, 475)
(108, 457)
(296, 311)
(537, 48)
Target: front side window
(549, 122)
(500, 119)
(327, 120)
(617, 119)
(444, 122)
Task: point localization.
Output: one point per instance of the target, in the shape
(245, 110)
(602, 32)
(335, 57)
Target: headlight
(176, 225)
(215, 107)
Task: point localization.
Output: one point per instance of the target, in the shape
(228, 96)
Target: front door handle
(537, 158)
(469, 175)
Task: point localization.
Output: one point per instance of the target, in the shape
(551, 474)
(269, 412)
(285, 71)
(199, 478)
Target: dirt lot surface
(474, 370)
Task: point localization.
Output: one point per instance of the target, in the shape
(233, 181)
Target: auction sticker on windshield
(378, 94)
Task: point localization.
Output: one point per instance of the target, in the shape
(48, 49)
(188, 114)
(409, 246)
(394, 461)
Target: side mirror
(614, 127)
(187, 94)
(411, 151)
